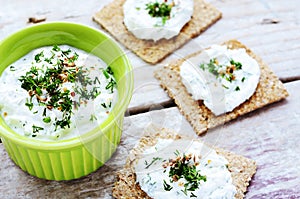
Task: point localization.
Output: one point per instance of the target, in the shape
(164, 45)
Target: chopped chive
(93, 117)
(177, 153)
(153, 161)
(225, 86)
(47, 119)
(12, 68)
(47, 86)
(29, 103)
(96, 80)
(36, 129)
(38, 56)
(103, 105)
(162, 10)
(167, 187)
(105, 73)
(56, 48)
(184, 168)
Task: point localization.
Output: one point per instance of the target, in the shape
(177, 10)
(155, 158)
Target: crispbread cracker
(269, 90)
(111, 19)
(241, 168)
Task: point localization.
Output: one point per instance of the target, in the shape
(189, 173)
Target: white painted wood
(277, 44)
(270, 136)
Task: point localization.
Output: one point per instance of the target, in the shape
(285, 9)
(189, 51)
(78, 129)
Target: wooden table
(271, 136)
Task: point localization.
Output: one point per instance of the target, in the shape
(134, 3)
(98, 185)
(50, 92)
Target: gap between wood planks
(170, 103)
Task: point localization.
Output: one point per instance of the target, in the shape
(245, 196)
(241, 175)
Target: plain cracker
(269, 90)
(111, 18)
(241, 169)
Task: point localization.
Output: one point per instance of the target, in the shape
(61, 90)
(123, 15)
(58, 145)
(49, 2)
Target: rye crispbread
(241, 168)
(269, 90)
(111, 17)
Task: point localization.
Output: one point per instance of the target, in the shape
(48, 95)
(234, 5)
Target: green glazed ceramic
(79, 156)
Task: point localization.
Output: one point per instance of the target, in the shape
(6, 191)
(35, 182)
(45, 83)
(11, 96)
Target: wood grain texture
(241, 168)
(111, 19)
(269, 136)
(268, 90)
(278, 44)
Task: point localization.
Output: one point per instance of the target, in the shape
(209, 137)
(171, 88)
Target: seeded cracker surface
(241, 168)
(111, 19)
(269, 90)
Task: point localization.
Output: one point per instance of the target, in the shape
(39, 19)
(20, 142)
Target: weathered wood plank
(277, 43)
(270, 136)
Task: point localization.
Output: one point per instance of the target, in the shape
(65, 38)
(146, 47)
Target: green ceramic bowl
(79, 156)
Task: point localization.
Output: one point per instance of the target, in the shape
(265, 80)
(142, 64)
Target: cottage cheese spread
(156, 19)
(202, 174)
(56, 92)
(221, 77)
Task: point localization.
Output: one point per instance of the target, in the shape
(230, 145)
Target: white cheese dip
(155, 175)
(156, 26)
(56, 92)
(221, 77)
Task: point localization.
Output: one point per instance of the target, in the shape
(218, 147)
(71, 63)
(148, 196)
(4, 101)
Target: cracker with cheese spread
(166, 165)
(111, 18)
(201, 108)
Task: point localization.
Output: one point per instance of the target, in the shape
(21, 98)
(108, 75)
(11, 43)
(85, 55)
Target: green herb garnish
(184, 167)
(105, 73)
(111, 84)
(167, 187)
(243, 79)
(47, 120)
(29, 103)
(224, 72)
(106, 105)
(35, 81)
(93, 117)
(38, 56)
(36, 129)
(46, 85)
(12, 68)
(162, 10)
(56, 48)
(96, 80)
(109, 70)
(177, 153)
(152, 162)
(48, 60)
(225, 86)
(212, 67)
(238, 65)
(103, 105)
(66, 52)
(193, 195)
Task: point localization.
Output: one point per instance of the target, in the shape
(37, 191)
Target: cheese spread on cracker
(221, 77)
(157, 19)
(183, 169)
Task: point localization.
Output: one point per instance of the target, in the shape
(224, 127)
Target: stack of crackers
(269, 90)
